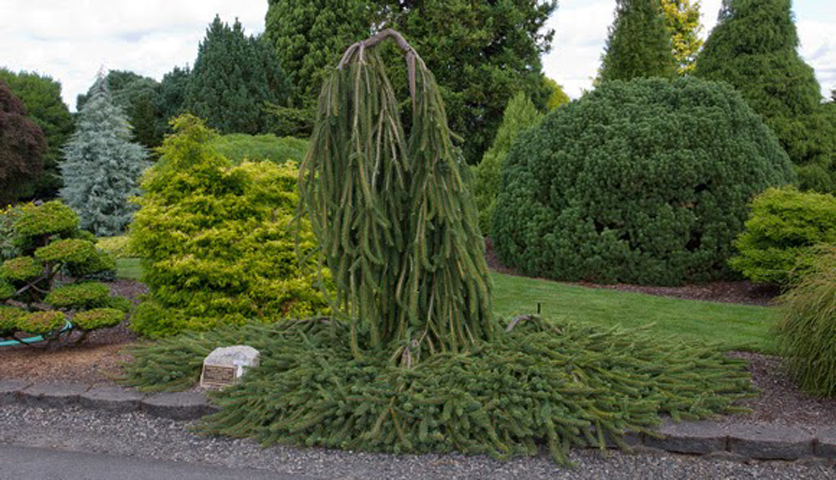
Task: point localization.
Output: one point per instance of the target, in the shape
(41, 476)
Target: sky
(72, 40)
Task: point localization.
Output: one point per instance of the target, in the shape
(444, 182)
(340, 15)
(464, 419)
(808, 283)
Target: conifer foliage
(234, 78)
(754, 47)
(639, 43)
(393, 214)
(102, 167)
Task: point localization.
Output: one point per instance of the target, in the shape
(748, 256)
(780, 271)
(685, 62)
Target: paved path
(25, 463)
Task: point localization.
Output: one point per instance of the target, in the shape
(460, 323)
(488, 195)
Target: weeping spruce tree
(397, 225)
(412, 360)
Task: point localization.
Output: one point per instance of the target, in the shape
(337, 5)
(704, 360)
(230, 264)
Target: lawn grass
(128, 268)
(732, 327)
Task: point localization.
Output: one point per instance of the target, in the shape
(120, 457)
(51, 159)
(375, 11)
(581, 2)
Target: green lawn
(128, 268)
(731, 326)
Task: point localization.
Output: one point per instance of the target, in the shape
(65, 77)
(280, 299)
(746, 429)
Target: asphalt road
(25, 463)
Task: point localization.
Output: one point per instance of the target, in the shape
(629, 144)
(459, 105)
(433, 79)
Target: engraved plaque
(217, 376)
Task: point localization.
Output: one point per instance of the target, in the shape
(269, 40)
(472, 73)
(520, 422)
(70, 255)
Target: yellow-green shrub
(118, 247)
(783, 228)
(217, 241)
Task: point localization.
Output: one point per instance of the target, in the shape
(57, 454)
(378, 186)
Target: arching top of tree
(639, 43)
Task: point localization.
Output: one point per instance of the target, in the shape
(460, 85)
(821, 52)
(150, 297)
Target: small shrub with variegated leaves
(46, 242)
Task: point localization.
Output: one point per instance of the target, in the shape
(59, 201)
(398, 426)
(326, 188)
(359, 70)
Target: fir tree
(102, 167)
(22, 146)
(233, 80)
(172, 97)
(41, 95)
(639, 43)
(754, 47)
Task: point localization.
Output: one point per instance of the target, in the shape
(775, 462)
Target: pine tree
(639, 44)
(41, 95)
(754, 47)
(682, 18)
(22, 145)
(102, 167)
(233, 80)
(520, 114)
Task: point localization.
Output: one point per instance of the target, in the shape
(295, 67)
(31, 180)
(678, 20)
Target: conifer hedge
(217, 240)
(642, 182)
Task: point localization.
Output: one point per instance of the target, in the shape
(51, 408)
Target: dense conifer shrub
(239, 147)
(643, 182)
(216, 240)
(48, 241)
(782, 231)
(807, 330)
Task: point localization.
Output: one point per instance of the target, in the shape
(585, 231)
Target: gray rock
(53, 394)
(10, 390)
(239, 358)
(826, 443)
(177, 406)
(114, 399)
(690, 437)
(770, 442)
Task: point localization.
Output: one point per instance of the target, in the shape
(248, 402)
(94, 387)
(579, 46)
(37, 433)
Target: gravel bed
(139, 435)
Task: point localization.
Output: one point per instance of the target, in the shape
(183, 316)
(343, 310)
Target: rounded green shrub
(100, 266)
(73, 250)
(7, 290)
(118, 247)
(807, 329)
(645, 182)
(217, 241)
(41, 323)
(784, 226)
(47, 219)
(21, 269)
(9, 317)
(98, 318)
(79, 295)
(122, 304)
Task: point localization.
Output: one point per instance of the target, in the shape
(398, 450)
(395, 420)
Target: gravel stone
(114, 399)
(10, 390)
(766, 441)
(53, 394)
(178, 406)
(140, 435)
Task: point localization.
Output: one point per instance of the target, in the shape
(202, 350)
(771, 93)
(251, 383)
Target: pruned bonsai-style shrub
(217, 240)
(807, 329)
(644, 182)
(781, 234)
(48, 243)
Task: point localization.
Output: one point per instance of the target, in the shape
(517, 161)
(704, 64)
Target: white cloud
(71, 40)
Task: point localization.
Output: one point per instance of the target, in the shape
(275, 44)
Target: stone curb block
(10, 390)
(52, 394)
(771, 442)
(690, 437)
(826, 443)
(112, 399)
(178, 406)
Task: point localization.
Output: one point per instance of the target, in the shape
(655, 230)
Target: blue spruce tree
(102, 167)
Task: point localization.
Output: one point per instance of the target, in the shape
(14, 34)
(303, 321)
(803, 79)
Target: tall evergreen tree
(41, 95)
(138, 97)
(754, 47)
(234, 78)
(102, 167)
(682, 17)
(172, 97)
(639, 43)
(22, 145)
(310, 36)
